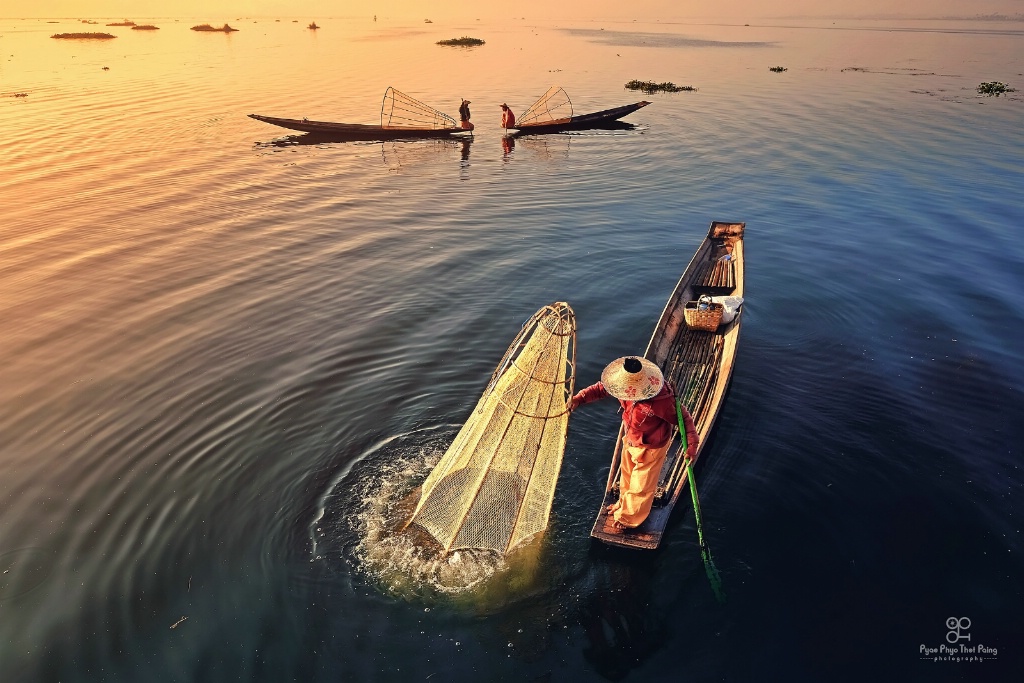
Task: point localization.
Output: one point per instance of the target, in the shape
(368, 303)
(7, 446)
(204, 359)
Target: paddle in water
(705, 551)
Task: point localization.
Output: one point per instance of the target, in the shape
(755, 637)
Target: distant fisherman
(648, 416)
(464, 115)
(508, 119)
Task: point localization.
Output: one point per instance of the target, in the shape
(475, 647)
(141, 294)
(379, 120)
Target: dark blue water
(230, 359)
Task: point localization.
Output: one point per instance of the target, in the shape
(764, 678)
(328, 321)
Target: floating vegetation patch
(122, 23)
(145, 27)
(777, 69)
(206, 27)
(464, 41)
(77, 36)
(20, 94)
(650, 87)
(994, 89)
(313, 26)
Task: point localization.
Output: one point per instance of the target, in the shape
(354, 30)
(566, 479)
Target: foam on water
(363, 515)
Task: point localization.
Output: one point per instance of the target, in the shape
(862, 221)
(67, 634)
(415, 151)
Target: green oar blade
(705, 552)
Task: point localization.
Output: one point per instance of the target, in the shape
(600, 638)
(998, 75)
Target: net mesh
(401, 111)
(553, 107)
(494, 485)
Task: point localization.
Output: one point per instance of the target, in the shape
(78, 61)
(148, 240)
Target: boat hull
(699, 365)
(355, 131)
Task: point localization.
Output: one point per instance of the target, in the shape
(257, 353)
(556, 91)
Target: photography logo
(958, 646)
(957, 628)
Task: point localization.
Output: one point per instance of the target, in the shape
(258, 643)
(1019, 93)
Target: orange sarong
(638, 482)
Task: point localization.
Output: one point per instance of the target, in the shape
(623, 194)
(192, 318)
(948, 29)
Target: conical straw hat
(632, 378)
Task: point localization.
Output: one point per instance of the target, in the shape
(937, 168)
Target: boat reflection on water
(617, 617)
(327, 139)
(609, 126)
(543, 147)
(395, 153)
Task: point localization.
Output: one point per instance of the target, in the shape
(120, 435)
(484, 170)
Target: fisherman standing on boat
(508, 119)
(648, 415)
(464, 115)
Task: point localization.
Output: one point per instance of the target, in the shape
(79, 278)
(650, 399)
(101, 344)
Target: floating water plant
(777, 69)
(122, 23)
(313, 26)
(145, 27)
(464, 41)
(76, 36)
(206, 27)
(650, 87)
(994, 88)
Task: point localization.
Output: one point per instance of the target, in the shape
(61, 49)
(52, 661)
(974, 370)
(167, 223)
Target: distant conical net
(553, 107)
(494, 486)
(401, 111)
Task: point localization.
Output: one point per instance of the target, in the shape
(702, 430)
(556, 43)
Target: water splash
(363, 517)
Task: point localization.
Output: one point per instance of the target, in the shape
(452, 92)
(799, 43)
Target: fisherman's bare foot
(612, 508)
(619, 525)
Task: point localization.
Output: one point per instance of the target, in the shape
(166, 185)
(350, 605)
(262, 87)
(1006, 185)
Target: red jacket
(648, 423)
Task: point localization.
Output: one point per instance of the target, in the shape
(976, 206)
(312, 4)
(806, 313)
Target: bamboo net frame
(553, 106)
(398, 110)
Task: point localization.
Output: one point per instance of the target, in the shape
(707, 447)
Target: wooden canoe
(699, 365)
(356, 131)
(597, 119)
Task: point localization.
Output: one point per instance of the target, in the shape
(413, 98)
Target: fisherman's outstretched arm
(595, 392)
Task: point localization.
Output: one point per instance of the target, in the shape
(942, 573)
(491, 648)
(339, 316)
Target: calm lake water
(229, 356)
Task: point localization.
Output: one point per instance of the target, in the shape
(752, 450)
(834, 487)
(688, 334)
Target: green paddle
(705, 551)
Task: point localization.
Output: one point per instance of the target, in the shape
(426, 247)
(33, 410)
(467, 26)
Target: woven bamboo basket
(703, 320)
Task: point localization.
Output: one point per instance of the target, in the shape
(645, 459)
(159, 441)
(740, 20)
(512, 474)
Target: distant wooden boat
(355, 131)
(699, 365)
(598, 119)
(401, 117)
(553, 113)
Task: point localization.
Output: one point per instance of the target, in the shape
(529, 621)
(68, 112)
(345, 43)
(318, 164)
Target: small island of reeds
(145, 27)
(83, 36)
(464, 41)
(122, 23)
(206, 27)
(313, 26)
(994, 88)
(650, 87)
(777, 69)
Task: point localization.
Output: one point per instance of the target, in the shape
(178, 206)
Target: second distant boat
(553, 113)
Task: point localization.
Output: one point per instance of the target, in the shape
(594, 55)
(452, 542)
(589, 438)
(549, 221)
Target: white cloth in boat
(731, 306)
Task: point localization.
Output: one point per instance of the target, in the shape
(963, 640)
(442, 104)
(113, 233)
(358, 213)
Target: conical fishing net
(401, 111)
(494, 486)
(553, 107)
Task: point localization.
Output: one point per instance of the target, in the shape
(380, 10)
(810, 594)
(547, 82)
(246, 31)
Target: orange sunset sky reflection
(641, 10)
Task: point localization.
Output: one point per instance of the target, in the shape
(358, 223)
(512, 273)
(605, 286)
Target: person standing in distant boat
(648, 416)
(464, 115)
(508, 119)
